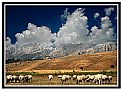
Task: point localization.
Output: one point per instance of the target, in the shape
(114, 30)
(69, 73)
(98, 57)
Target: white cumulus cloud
(34, 34)
(106, 22)
(73, 31)
(8, 41)
(75, 28)
(109, 11)
(105, 34)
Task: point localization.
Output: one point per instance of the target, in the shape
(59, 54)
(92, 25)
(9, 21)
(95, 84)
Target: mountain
(48, 51)
(96, 61)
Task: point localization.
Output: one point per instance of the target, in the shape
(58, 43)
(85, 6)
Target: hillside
(97, 61)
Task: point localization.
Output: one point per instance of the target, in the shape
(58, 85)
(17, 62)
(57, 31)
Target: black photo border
(49, 3)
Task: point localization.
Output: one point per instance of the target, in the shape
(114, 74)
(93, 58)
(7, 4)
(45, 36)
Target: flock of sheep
(18, 78)
(97, 79)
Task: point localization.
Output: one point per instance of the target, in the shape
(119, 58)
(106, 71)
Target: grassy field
(42, 79)
(112, 73)
(97, 63)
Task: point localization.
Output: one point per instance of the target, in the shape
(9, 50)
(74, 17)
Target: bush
(112, 66)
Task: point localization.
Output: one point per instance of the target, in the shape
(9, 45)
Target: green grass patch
(112, 73)
(22, 73)
(92, 73)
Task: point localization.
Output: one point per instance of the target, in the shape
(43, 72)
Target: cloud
(73, 31)
(96, 15)
(65, 15)
(34, 34)
(109, 11)
(105, 34)
(8, 42)
(105, 22)
(75, 28)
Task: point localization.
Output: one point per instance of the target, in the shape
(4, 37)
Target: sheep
(15, 78)
(90, 78)
(9, 78)
(104, 78)
(65, 78)
(80, 78)
(68, 76)
(50, 77)
(109, 78)
(22, 78)
(28, 78)
(74, 77)
(100, 78)
(97, 78)
(59, 76)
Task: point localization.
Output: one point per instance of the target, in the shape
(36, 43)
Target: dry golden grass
(90, 62)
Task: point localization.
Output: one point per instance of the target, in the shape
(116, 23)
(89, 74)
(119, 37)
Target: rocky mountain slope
(40, 51)
(96, 61)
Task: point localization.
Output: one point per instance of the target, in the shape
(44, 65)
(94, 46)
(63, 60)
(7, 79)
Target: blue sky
(18, 17)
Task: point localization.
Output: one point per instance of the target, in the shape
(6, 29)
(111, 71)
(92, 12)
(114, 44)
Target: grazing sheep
(59, 76)
(104, 78)
(28, 78)
(50, 77)
(65, 78)
(97, 78)
(15, 78)
(109, 79)
(80, 78)
(9, 78)
(74, 77)
(68, 76)
(90, 78)
(22, 78)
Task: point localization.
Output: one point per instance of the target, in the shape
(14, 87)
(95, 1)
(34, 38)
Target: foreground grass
(113, 73)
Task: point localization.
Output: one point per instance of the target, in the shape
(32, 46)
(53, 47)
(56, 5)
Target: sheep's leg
(77, 82)
(62, 81)
(99, 81)
(7, 81)
(50, 79)
(14, 80)
(31, 79)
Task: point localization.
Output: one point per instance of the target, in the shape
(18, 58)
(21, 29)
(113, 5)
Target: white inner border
(60, 5)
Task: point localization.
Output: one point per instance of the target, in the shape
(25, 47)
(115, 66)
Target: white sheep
(9, 78)
(109, 79)
(104, 78)
(28, 78)
(50, 77)
(68, 76)
(15, 78)
(59, 76)
(74, 77)
(22, 78)
(80, 78)
(90, 78)
(97, 78)
(65, 78)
